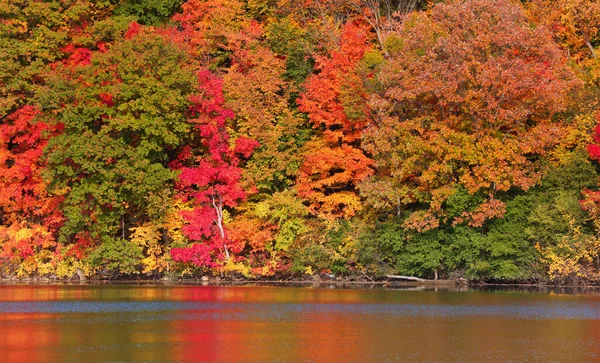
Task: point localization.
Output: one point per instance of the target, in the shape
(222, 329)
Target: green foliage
(124, 116)
(149, 12)
(414, 254)
(461, 201)
(103, 31)
(31, 37)
(116, 256)
(502, 249)
(287, 212)
(326, 248)
(373, 58)
(393, 44)
(309, 259)
(556, 201)
(287, 38)
(379, 246)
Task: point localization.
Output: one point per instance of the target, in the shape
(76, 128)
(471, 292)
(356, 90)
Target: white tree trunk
(218, 205)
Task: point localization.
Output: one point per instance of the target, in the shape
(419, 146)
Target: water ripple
(285, 311)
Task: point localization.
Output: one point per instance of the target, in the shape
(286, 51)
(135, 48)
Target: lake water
(251, 323)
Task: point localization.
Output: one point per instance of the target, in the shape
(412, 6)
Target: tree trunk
(590, 46)
(79, 273)
(219, 221)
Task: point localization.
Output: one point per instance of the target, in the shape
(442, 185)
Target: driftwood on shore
(410, 278)
(80, 274)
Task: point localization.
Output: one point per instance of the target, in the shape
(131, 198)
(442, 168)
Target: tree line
(263, 138)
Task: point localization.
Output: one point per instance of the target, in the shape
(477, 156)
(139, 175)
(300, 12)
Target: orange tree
(464, 103)
(335, 101)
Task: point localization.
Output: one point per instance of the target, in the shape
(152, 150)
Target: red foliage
(106, 99)
(199, 254)
(30, 216)
(591, 200)
(245, 146)
(594, 149)
(76, 56)
(213, 179)
(335, 97)
(134, 29)
(83, 242)
(22, 191)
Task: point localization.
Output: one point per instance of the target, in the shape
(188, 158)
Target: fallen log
(410, 278)
(79, 273)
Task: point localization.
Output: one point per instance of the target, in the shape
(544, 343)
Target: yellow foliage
(44, 260)
(348, 248)
(309, 271)
(237, 267)
(66, 267)
(577, 136)
(40, 263)
(157, 236)
(27, 249)
(575, 259)
(23, 233)
(148, 236)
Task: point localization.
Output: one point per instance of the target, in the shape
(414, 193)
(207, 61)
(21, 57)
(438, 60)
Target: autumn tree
(122, 111)
(29, 216)
(465, 100)
(335, 101)
(380, 14)
(261, 59)
(213, 28)
(212, 182)
(572, 254)
(34, 34)
(575, 24)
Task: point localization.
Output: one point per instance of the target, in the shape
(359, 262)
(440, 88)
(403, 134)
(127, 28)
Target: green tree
(123, 119)
(501, 249)
(149, 12)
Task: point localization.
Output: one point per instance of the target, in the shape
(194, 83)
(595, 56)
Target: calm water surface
(206, 323)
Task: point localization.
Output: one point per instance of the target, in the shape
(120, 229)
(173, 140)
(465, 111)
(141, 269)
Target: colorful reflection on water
(207, 323)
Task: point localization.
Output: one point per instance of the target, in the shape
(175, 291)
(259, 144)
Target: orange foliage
(212, 27)
(335, 100)
(468, 94)
(574, 23)
(29, 215)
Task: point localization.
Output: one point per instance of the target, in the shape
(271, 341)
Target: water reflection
(193, 323)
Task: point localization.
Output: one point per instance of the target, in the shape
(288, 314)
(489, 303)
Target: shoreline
(454, 285)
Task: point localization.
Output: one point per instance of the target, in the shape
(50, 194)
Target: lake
(91, 323)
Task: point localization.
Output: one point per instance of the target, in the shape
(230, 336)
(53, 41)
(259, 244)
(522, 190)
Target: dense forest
(270, 138)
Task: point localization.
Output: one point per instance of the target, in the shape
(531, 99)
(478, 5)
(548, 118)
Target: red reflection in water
(198, 340)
